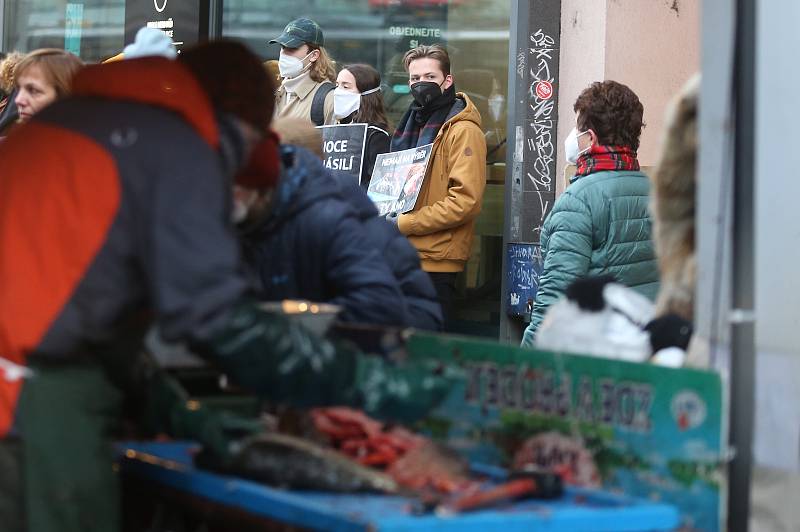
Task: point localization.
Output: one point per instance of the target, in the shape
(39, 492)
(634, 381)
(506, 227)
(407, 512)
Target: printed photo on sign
(397, 179)
(343, 149)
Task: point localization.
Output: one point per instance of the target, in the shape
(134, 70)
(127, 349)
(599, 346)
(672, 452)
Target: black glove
(670, 330)
(283, 362)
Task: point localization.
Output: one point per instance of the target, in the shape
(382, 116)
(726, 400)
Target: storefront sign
(343, 148)
(183, 21)
(397, 179)
(647, 431)
(73, 26)
(416, 36)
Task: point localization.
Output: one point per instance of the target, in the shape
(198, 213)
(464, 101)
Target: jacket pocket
(435, 245)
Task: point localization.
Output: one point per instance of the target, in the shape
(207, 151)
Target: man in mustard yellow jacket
(441, 225)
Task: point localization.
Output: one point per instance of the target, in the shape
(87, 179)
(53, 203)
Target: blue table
(169, 465)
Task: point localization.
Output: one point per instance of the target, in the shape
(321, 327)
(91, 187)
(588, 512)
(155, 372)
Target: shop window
(92, 29)
(379, 32)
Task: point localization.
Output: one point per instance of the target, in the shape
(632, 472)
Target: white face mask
(239, 212)
(290, 66)
(243, 200)
(571, 149)
(346, 103)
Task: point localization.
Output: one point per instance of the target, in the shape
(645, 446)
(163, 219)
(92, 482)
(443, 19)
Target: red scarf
(607, 158)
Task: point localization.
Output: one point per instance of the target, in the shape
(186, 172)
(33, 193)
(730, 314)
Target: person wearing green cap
(307, 72)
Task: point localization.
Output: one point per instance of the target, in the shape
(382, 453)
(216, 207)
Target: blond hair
(58, 67)
(299, 132)
(273, 71)
(324, 68)
(434, 51)
(7, 67)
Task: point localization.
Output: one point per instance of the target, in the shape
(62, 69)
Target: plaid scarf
(420, 125)
(607, 158)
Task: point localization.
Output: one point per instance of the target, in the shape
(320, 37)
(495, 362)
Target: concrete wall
(650, 45)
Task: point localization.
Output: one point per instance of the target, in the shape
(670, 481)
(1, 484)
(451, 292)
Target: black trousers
(445, 284)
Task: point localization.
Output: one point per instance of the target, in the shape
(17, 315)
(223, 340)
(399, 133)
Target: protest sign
(343, 149)
(397, 179)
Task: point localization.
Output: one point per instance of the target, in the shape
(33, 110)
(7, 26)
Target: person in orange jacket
(124, 221)
(442, 223)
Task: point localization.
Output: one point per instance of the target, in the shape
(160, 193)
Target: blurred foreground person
(125, 220)
(306, 242)
(601, 224)
(315, 237)
(42, 77)
(674, 203)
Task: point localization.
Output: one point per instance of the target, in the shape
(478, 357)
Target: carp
(289, 462)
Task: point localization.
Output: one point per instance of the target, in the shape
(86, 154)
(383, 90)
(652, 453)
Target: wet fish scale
(289, 462)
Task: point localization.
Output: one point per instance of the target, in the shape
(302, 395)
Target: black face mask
(424, 92)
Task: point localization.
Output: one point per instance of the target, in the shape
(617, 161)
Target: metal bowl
(316, 317)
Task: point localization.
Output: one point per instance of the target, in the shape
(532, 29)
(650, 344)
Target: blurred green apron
(57, 474)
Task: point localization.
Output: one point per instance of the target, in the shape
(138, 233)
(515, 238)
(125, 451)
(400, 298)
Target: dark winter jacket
(600, 225)
(107, 222)
(422, 303)
(9, 113)
(377, 142)
(312, 245)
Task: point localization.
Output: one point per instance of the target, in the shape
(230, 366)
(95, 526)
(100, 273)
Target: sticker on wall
(544, 90)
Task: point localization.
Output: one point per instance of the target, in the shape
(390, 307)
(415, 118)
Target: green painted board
(639, 429)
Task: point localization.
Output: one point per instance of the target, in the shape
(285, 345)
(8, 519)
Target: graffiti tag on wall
(542, 113)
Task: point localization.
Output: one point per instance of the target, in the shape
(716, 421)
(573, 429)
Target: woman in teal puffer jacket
(601, 224)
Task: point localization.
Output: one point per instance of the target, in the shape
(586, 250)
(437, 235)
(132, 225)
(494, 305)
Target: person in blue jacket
(422, 303)
(305, 241)
(375, 235)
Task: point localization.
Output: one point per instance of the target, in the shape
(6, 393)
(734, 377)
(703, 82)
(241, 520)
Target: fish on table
(295, 463)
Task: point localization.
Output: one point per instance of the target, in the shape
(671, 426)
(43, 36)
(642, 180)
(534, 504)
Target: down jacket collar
(304, 181)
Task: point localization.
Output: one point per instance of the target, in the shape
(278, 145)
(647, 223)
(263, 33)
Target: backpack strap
(318, 103)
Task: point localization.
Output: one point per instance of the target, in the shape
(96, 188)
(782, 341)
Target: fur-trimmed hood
(673, 205)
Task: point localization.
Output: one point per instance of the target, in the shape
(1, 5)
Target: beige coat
(442, 224)
(298, 104)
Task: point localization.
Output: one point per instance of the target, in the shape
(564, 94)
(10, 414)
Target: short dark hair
(371, 111)
(234, 80)
(613, 111)
(434, 51)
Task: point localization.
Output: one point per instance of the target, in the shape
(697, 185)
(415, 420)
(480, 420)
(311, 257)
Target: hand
(392, 217)
(406, 392)
(280, 360)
